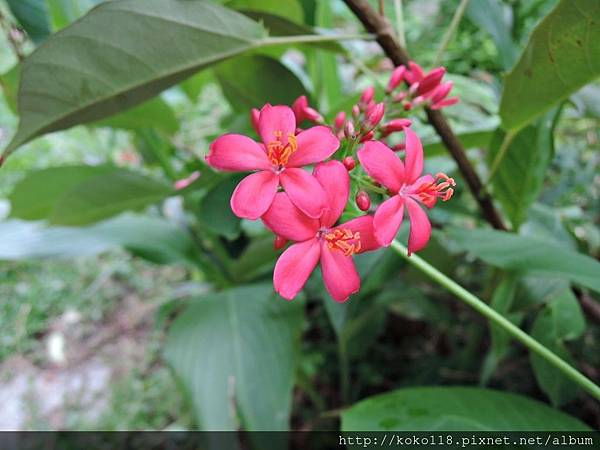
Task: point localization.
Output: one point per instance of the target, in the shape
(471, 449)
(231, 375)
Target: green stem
(499, 320)
(400, 23)
(450, 31)
(308, 38)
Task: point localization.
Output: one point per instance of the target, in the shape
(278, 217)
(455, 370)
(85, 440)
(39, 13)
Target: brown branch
(380, 26)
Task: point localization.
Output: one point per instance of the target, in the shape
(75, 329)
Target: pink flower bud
(367, 96)
(441, 91)
(401, 96)
(367, 137)
(396, 125)
(375, 114)
(298, 107)
(185, 182)
(279, 242)
(407, 106)
(349, 163)
(355, 111)
(363, 201)
(414, 74)
(399, 147)
(349, 130)
(396, 78)
(444, 103)
(254, 117)
(312, 114)
(431, 80)
(340, 118)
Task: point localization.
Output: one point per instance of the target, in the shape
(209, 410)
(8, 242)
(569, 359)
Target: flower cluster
(304, 207)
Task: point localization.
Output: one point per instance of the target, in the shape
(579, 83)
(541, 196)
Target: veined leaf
(529, 255)
(111, 60)
(235, 353)
(562, 55)
(455, 409)
(33, 17)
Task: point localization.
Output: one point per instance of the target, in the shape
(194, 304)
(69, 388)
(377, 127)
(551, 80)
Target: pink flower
(319, 240)
(303, 111)
(429, 87)
(396, 78)
(408, 189)
(277, 162)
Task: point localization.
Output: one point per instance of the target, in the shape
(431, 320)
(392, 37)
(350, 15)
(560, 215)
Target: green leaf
(10, 86)
(154, 113)
(216, 212)
(519, 177)
(528, 254)
(562, 56)
(78, 195)
(152, 238)
(490, 16)
(111, 60)
(235, 354)
(477, 138)
(63, 12)
(289, 9)
(251, 81)
(455, 409)
(562, 319)
(33, 17)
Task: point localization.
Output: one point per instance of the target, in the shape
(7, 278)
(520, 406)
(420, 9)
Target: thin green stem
(460, 11)
(400, 23)
(499, 320)
(508, 138)
(308, 38)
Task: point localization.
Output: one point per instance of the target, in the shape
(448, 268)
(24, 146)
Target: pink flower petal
(420, 227)
(335, 180)
(314, 145)
(234, 152)
(254, 194)
(388, 219)
(364, 225)
(285, 220)
(276, 121)
(304, 191)
(382, 164)
(339, 274)
(294, 267)
(413, 161)
(444, 103)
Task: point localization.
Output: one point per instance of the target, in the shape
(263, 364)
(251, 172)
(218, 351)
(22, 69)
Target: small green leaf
(561, 56)
(251, 81)
(470, 139)
(455, 409)
(235, 354)
(529, 255)
(216, 211)
(33, 17)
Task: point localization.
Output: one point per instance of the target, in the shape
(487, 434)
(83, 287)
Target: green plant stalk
(458, 14)
(400, 22)
(499, 320)
(308, 38)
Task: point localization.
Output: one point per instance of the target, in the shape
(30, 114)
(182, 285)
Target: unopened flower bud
(399, 147)
(407, 106)
(363, 201)
(312, 114)
(185, 182)
(298, 107)
(396, 78)
(395, 125)
(367, 137)
(367, 96)
(431, 80)
(254, 116)
(401, 96)
(340, 118)
(349, 130)
(375, 114)
(349, 163)
(279, 242)
(355, 111)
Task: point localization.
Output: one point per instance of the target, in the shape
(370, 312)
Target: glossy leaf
(152, 238)
(235, 354)
(561, 320)
(455, 409)
(561, 56)
(251, 81)
(79, 195)
(530, 255)
(110, 60)
(520, 176)
(33, 17)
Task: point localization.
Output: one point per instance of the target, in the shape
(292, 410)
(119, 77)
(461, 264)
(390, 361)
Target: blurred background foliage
(114, 319)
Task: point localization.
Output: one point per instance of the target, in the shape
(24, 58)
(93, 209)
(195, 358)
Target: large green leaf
(455, 409)
(251, 81)
(63, 12)
(520, 176)
(154, 113)
(33, 17)
(78, 195)
(562, 56)
(470, 139)
(529, 254)
(120, 54)
(235, 354)
(152, 238)
(216, 213)
(559, 321)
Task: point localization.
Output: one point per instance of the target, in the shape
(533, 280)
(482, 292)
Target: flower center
(343, 240)
(441, 187)
(278, 152)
